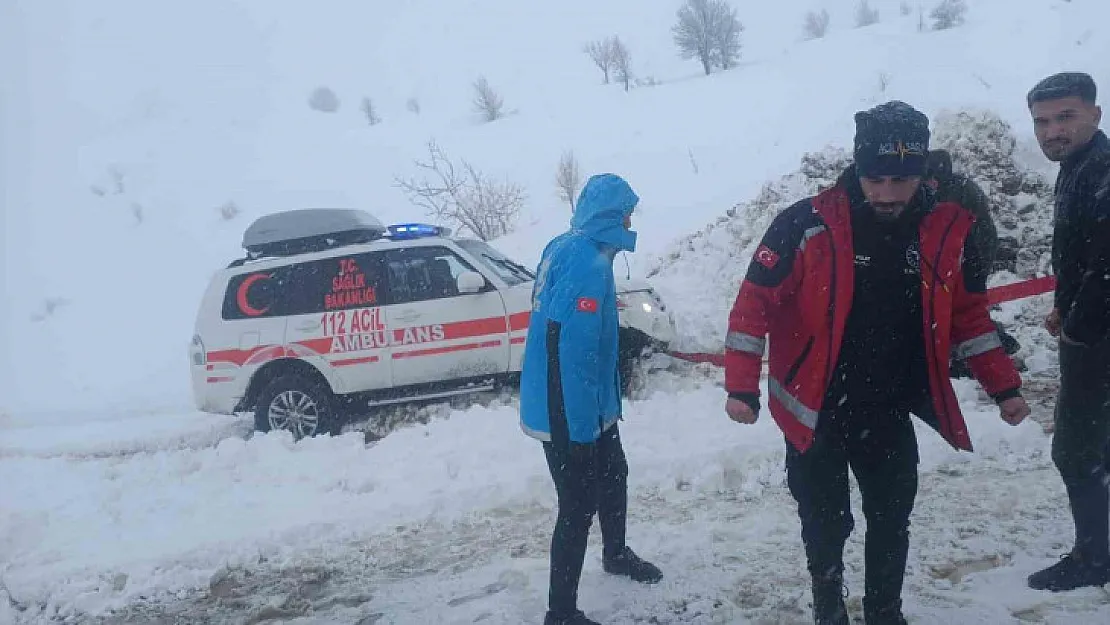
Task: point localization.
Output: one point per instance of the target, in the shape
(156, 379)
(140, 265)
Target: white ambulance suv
(332, 313)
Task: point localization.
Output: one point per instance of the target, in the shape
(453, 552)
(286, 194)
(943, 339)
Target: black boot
(627, 563)
(1069, 573)
(828, 601)
(887, 614)
(574, 618)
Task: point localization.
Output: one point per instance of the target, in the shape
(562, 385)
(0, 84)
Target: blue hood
(602, 206)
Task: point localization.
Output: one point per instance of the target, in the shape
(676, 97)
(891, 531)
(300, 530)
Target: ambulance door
(439, 334)
(339, 326)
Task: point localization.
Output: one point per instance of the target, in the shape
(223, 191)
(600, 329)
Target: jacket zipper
(794, 368)
(933, 317)
(830, 317)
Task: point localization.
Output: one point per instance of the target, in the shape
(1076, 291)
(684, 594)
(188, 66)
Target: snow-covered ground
(131, 124)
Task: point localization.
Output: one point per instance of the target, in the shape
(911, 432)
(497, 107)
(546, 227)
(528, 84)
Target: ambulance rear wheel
(301, 405)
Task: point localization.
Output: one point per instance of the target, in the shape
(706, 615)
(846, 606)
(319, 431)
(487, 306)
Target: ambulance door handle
(408, 315)
(308, 327)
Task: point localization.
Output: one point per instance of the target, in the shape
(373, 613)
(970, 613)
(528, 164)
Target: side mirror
(470, 282)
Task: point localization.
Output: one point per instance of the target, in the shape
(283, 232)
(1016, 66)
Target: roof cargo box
(309, 230)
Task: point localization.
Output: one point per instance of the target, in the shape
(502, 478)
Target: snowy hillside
(139, 139)
(114, 246)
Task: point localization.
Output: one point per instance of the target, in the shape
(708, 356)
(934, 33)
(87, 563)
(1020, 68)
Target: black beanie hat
(892, 139)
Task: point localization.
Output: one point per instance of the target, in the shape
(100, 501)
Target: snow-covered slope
(131, 126)
(127, 136)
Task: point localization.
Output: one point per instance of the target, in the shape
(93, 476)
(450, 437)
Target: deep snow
(123, 137)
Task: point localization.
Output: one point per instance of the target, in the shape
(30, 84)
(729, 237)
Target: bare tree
(709, 31)
(622, 61)
(865, 15)
(462, 195)
(948, 14)
(727, 40)
(817, 24)
(371, 114)
(568, 180)
(601, 53)
(904, 8)
(487, 101)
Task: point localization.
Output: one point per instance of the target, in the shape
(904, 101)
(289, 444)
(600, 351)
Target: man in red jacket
(864, 291)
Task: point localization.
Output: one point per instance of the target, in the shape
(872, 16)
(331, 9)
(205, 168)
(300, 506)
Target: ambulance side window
(419, 274)
(337, 283)
(257, 294)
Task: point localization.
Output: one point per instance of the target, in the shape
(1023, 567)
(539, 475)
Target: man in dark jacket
(1065, 120)
(961, 189)
(570, 391)
(864, 290)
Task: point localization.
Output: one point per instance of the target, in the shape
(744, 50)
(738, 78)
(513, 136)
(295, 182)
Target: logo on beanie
(902, 149)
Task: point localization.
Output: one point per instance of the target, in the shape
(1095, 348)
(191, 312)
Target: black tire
(633, 350)
(306, 397)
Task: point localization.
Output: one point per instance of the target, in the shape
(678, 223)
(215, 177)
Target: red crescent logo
(766, 256)
(241, 295)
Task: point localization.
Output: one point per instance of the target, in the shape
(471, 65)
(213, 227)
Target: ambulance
(331, 314)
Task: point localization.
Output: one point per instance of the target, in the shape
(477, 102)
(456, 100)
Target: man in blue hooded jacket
(570, 390)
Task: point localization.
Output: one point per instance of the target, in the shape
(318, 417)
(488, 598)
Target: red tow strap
(995, 295)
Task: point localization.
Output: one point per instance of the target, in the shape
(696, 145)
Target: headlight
(646, 306)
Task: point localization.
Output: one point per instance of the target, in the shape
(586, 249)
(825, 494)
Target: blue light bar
(416, 231)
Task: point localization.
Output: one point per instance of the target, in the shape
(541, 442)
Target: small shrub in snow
(568, 180)
(709, 31)
(865, 14)
(487, 102)
(324, 100)
(904, 8)
(49, 306)
(948, 14)
(229, 210)
(413, 106)
(371, 114)
(601, 53)
(816, 24)
(884, 81)
(462, 195)
(622, 62)
(137, 213)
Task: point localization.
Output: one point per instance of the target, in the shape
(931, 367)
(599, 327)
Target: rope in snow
(995, 295)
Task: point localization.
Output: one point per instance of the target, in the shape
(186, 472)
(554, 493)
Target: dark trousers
(588, 478)
(880, 446)
(1081, 444)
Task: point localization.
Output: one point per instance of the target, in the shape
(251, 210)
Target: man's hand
(740, 412)
(1052, 322)
(1014, 410)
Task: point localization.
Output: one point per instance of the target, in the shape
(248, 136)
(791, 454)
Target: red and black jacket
(798, 292)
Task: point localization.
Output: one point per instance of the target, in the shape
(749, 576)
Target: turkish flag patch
(587, 304)
(766, 256)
